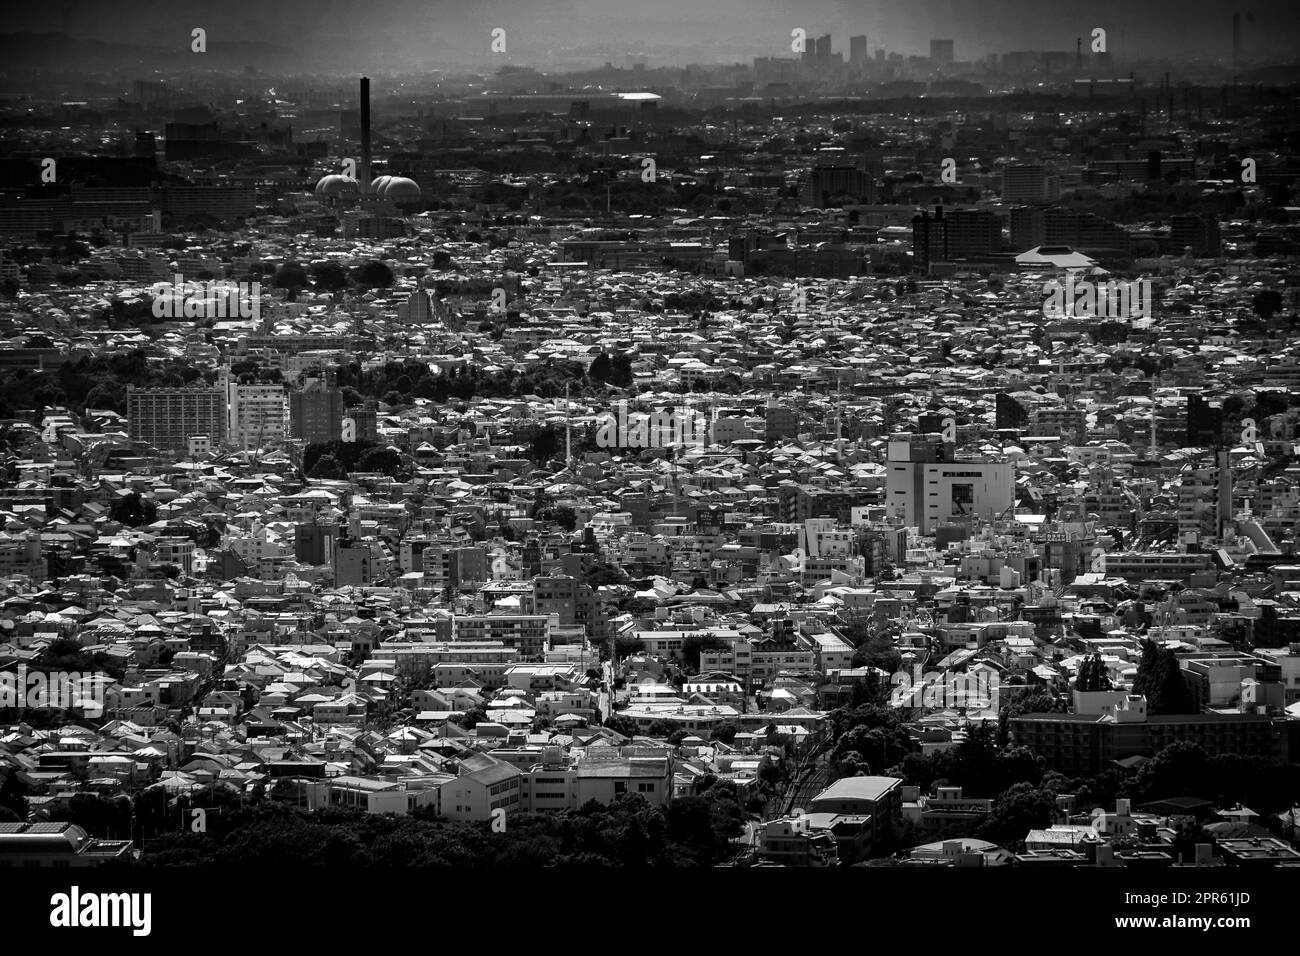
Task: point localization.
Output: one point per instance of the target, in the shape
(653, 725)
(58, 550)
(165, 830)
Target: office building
(929, 239)
(941, 53)
(926, 487)
(1024, 183)
(972, 233)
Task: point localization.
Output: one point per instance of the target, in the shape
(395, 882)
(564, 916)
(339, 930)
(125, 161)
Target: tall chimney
(1223, 510)
(365, 135)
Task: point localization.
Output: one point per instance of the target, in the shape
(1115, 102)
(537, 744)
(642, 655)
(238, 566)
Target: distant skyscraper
(941, 52)
(823, 47)
(858, 50)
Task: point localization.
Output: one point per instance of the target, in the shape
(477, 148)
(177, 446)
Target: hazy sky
(404, 33)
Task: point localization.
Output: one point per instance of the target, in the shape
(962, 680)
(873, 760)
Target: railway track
(811, 777)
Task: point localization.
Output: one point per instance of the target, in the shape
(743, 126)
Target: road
(604, 698)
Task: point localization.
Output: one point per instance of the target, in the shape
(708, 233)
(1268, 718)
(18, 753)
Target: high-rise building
(830, 184)
(316, 413)
(972, 233)
(929, 238)
(1198, 233)
(1084, 231)
(823, 47)
(258, 415)
(1028, 228)
(366, 419)
(167, 417)
(1024, 183)
(941, 53)
(858, 50)
(314, 543)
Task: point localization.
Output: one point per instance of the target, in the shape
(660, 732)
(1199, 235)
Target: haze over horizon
(426, 34)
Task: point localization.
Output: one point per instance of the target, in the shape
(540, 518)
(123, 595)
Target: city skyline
(413, 34)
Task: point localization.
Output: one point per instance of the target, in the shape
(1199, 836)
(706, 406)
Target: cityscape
(874, 446)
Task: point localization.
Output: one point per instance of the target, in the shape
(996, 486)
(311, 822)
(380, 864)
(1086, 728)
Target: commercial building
(925, 486)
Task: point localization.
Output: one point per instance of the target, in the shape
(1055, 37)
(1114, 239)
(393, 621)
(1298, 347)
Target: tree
(625, 645)
(373, 275)
(1160, 679)
(1015, 812)
(621, 725)
(726, 733)
(661, 728)
(470, 718)
(1146, 666)
(134, 511)
(1266, 303)
(291, 277)
(1180, 770)
(13, 796)
(546, 443)
(693, 644)
(599, 369)
(329, 276)
(328, 467)
(1092, 674)
(379, 459)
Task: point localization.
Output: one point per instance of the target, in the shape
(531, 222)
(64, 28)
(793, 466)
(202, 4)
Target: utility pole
(568, 438)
